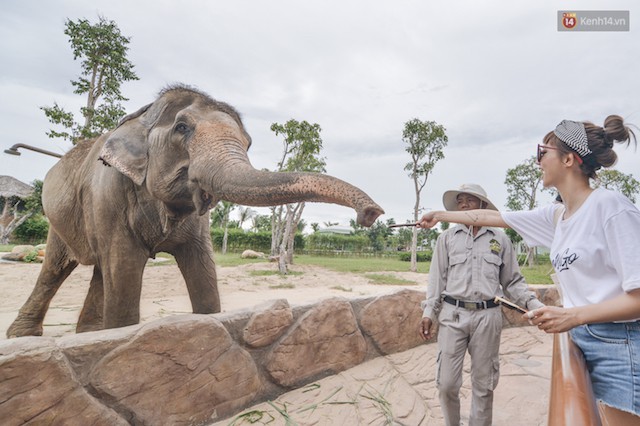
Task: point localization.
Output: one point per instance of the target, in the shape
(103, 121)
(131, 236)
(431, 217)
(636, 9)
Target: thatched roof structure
(12, 187)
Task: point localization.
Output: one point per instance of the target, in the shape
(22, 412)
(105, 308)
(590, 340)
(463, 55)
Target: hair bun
(608, 142)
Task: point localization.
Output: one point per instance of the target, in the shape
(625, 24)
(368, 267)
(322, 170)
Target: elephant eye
(182, 128)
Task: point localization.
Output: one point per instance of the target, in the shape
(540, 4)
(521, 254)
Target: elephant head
(190, 151)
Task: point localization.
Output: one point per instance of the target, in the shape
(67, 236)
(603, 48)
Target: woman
(594, 238)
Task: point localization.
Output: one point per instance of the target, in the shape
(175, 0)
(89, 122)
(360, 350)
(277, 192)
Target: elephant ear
(126, 148)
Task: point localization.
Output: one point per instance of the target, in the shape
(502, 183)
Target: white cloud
(497, 74)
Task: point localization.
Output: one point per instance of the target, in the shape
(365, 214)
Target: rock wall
(194, 369)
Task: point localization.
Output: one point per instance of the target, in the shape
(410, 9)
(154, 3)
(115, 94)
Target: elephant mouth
(203, 200)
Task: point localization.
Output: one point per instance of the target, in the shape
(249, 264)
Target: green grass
(269, 273)
(360, 264)
(384, 279)
(538, 274)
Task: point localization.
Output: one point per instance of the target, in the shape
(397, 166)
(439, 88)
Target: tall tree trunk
(414, 234)
(282, 252)
(297, 215)
(224, 240)
(276, 229)
(6, 231)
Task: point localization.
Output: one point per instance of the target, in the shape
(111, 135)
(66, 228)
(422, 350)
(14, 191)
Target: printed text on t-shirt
(562, 262)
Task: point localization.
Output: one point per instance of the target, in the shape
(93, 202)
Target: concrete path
(399, 390)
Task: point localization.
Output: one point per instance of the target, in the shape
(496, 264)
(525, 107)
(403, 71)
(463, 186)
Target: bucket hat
(449, 197)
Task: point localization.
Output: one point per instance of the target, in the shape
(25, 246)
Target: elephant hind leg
(91, 316)
(56, 268)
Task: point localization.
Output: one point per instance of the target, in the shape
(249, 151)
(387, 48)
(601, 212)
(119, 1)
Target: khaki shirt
(474, 269)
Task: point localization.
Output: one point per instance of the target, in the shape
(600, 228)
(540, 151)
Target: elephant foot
(24, 327)
(83, 328)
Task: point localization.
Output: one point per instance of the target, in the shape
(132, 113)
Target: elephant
(146, 187)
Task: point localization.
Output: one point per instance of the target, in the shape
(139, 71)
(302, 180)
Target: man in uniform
(470, 266)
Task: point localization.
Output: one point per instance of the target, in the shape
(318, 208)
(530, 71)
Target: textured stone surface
(37, 386)
(268, 323)
(326, 339)
(178, 370)
(392, 321)
(189, 369)
(400, 389)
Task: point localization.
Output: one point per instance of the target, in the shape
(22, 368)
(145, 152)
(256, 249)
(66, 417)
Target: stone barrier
(196, 369)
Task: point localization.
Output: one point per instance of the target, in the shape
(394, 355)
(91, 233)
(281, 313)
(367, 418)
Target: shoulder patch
(495, 246)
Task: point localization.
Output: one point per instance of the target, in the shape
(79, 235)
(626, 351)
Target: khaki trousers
(476, 331)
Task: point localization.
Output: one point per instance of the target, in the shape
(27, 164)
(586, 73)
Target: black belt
(485, 304)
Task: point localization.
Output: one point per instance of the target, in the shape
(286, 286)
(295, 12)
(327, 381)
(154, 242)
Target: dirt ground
(164, 291)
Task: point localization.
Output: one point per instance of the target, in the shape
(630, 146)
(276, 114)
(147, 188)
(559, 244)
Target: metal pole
(14, 150)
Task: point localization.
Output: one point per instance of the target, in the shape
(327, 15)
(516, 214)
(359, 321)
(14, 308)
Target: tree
(523, 186)
(618, 181)
(425, 144)
(220, 216)
(17, 209)
(244, 214)
(261, 222)
(301, 153)
(103, 52)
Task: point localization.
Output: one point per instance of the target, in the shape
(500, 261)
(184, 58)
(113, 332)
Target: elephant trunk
(238, 182)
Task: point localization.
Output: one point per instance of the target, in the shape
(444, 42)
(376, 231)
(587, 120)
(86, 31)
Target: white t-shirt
(596, 252)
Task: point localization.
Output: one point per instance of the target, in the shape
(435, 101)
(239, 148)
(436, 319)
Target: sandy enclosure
(164, 291)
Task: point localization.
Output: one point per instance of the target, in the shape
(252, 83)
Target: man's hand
(428, 220)
(425, 328)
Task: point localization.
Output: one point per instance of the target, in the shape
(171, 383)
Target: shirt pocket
(491, 267)
(457, 267)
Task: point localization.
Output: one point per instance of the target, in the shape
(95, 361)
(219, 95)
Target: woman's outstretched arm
(480, 217)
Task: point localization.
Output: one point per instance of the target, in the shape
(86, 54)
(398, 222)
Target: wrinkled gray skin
(147, 187)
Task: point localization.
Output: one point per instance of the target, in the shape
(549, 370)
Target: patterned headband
(574, 135)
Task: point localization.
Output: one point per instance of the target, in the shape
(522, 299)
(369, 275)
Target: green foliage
(523, 184)
(103, 53)
(34, 229)
(618, 181)
(33, 203)
(261, 223)
(336, 242)
(239, 240)
(513, 235)
(220, 213)
(302, 146)
(425, 141)
(32, 256)
(421, 256)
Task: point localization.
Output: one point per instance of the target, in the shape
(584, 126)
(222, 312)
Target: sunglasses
(542, 150)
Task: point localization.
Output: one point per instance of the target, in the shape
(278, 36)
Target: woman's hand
(552, 319)
(428, 220)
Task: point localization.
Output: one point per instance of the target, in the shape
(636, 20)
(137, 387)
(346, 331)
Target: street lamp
(14, 150)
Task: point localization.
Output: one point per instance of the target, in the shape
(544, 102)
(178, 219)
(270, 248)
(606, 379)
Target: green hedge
(239, 240)
(33, 230)
(335, 242)
(421, 256)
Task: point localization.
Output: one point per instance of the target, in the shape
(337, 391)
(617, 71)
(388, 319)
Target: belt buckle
(470, 305)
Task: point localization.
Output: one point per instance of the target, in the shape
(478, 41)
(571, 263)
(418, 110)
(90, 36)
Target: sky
(497, 74)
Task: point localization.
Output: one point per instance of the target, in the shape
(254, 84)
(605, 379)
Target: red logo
(569, 20)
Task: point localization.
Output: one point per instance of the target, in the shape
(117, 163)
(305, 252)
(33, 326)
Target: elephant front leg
(199, 272)
(56, 268)
(122, 287)
(91, 316)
